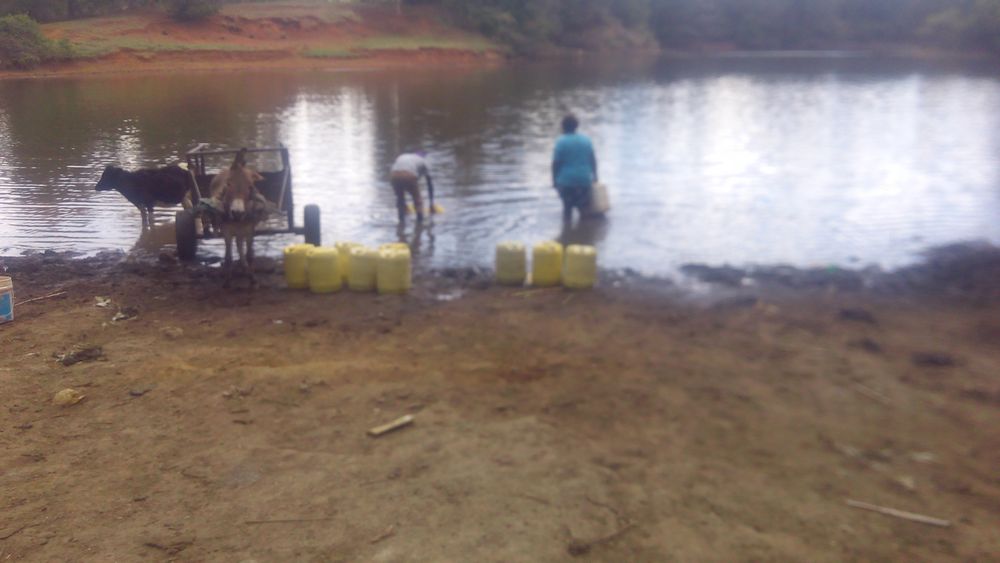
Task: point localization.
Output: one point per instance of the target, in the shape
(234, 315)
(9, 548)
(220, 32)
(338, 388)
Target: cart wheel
(186, 234)
(311, 224)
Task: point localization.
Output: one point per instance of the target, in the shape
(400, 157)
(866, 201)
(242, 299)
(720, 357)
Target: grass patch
(329, 53)
(100, 37)
(96, 26)
(415, 43)
(101, 47)
(323, 10)
(399, 43)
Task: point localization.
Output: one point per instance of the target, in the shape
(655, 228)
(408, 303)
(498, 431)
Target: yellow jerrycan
(437, 209)
(580, 270)
(361, 266)
(546, 264)
(511, 263)
(296, 258)
(344, 258)
(394, 272)
(323, 268)
(394, 245)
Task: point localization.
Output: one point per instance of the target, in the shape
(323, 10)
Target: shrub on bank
(193, 10)
(23, 46)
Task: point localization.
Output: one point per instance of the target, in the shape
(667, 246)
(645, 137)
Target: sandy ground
(635, 422)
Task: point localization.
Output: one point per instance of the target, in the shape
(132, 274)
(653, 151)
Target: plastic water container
(6, 299)
(394, 246)
(362, 267)
(296, 264)
(324, 270)
(344, 257)
(511, 263)
(600, 203)
(546, 264)
(580, 270)
(394, 270)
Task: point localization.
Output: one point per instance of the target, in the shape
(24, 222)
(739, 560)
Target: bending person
(405, 177)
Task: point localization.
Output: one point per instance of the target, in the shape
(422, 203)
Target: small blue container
(6, 299)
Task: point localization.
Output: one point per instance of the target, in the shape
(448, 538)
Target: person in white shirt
(405, 178)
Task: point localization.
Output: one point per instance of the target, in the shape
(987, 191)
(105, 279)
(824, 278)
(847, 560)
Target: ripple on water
(804, 162)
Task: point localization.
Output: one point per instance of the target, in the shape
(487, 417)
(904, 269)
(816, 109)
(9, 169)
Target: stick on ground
(577, 547)
(288, 521)
(902, 514)
(18, 531)
(394, 425)
(391, 530)
(872, 394)
(42, 298)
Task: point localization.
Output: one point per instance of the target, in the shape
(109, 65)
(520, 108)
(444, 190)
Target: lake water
(805, 161)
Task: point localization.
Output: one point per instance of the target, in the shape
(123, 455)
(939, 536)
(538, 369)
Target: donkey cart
(275, 187)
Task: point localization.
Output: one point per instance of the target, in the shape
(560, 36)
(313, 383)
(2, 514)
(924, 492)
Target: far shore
(208, 62)
(302, 35)
(427, 58)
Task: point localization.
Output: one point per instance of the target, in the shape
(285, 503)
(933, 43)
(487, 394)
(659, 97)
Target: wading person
(405, 177)
(574, 168)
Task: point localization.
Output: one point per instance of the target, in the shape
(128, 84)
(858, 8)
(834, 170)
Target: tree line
(56, 10)
(749, 24)
(24, 46)
(527, 25)
(59, 10)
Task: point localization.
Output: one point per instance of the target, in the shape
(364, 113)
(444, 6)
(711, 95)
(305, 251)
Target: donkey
(218, 184)
(241, 208)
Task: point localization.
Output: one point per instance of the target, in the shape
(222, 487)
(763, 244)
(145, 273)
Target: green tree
(632, 13)
(23, 46)
(986, 28)
(679, 23)
(193, 10)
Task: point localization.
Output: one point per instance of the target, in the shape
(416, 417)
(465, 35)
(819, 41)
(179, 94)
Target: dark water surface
(801, 161)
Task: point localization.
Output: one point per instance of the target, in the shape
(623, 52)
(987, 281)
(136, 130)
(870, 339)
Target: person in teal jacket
(574, 168)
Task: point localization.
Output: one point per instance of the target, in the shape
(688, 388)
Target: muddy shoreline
(207, 62)
(643, 420)
(968, 272)
(224, 62)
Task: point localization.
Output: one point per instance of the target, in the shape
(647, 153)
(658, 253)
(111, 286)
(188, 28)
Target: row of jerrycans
(387, 269)
(575, 268)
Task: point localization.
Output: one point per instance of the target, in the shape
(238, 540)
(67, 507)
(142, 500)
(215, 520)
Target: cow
(150, 187)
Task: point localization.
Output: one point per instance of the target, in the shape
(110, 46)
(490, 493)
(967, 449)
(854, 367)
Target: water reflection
(155, 238)
(800, 161)
(587, 231)
(333, 138)
(418, 235)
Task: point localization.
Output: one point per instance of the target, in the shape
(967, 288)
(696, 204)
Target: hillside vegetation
(291, 32)
(751, 24)
(22, 44)
(755, 24)
(343, 29)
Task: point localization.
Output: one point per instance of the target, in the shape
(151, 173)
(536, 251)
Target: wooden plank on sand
(911, 516)
(394, 425)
